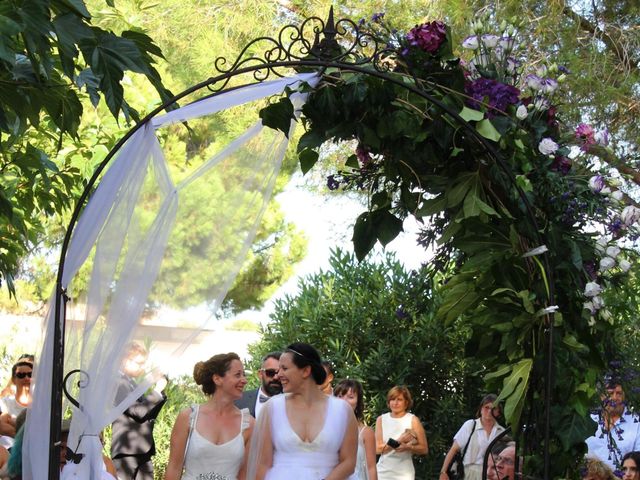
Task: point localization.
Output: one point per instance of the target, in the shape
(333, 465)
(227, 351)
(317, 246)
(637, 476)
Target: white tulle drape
(124, 233)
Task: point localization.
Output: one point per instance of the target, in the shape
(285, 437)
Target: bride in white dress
(303, 434)
(208, 441)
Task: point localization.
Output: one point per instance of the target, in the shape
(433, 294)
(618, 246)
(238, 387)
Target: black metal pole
(57, 366)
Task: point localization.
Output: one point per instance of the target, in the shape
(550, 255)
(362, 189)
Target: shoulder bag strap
(192, 421)
(469, 441)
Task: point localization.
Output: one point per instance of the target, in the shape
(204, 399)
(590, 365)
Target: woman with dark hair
(473, 438)
(351, 392)
(631, 466)
(304, 433)
(399, 436)
(209, 440)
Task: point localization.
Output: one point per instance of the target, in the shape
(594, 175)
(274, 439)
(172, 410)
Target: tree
(376, 323)
(51, 56)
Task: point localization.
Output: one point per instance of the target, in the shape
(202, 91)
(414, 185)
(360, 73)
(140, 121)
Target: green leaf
(308, 159)
(311, 139)
(278, 115)
(487, 130)
(463, 183)
(352, 162)
(364, 235)
(514, 389)
(571, 427)
(458, 299)
(388, 226)
(572, 342)
(432, 206)
(469, 115)
(77, 6)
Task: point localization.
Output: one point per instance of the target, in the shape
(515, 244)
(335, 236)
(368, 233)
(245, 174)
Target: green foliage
(485, 210)
(377, 323)
(51, 56)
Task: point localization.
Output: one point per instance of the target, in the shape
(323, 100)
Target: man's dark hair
(274, 355)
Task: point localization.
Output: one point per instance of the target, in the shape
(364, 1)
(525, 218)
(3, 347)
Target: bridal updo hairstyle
(304, 355)
(203, 372)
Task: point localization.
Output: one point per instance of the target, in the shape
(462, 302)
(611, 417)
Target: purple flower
(616, 225)
(401, 313)
(428, 36)
(376, 17)
(332, 182)
(586, 135)
(497, 95)
(561, 164)
(363, 155)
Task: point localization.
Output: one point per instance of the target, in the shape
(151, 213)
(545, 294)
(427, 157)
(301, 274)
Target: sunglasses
(270, 372)
(24, 374)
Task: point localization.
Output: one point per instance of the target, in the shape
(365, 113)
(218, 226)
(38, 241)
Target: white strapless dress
(208, 461)
(295, 459)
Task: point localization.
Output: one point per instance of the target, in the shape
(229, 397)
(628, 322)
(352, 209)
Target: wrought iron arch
(315, 44)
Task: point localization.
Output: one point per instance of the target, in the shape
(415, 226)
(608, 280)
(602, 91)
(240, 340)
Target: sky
(327, 221)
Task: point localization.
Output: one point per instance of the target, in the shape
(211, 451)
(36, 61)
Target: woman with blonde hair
(210, 440)
(399, 436)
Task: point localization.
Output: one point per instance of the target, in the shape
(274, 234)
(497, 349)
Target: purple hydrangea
(496, 94)
(428, 36)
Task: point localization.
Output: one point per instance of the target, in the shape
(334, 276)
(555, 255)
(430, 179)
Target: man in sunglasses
(269, 385)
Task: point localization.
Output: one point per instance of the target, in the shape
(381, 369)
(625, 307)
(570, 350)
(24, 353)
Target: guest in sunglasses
(21, 377)
(10, 388)
(269, 385)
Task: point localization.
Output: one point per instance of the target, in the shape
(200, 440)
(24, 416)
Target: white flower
(601, 244)
(512, 65)
(534, 82)
(617, 195)
(490, 40)
(606, 315)
(521, 112)
(507, 43)
(596, 183)
(613, 251)
(589, 306)
(605, 191)
(470, 42)
(592, 289)
(536, 251)
(592, 322)
(541, 71)
(598, 303)
(541, 103)
(547, 146)
(607, 263)
(602, 137)
(549, 85)
(624, 265)
(630, 215)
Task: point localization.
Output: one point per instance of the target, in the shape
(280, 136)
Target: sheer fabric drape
(125, 232)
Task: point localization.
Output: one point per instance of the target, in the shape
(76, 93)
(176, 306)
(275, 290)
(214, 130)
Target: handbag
(455, 470)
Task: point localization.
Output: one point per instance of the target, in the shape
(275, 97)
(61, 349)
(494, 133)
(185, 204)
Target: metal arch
(292, 52)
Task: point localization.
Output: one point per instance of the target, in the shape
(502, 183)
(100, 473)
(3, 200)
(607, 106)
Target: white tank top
(393, 465)
(205, 460)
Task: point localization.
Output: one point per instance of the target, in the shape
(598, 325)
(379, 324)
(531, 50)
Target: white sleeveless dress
(208, 461)
(295, 459)
(393, 465)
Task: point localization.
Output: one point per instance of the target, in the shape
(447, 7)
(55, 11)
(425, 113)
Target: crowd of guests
(298, 424)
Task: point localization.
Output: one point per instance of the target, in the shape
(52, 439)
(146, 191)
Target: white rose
(630, 215)
(602, 137)
(489, 40)
(547, 146)
(534, 82)
(470, 42)
(624, 265)
(613, 251)
(596, 183)
(598, 303)
(521, 112)
(607, 263)
(601, 244)
(617, 195)
(592, 289)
